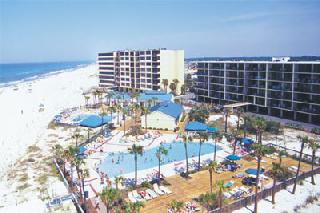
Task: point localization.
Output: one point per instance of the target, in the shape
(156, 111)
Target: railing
(263, 194)
(75, 200)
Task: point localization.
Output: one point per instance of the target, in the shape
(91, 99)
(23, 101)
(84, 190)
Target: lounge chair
(157, 190)
(151, 193)
(165, 189)
(131, 197)
(137, 196)
(229, 184)
(145, 195)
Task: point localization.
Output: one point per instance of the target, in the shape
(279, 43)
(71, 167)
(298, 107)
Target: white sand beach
(22, 123)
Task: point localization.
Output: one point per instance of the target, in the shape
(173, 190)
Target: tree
(314, 145)
(94, 95)
(76, 136)
(221, 189)
(109, 95)
(203, 137)
(111, 109)
(135, 207)
(160, 151)
(119, 109)
(216, 136)
(124, 113)
(135, 150)
(259, 125)
(211, 167)
(89, 130)
(183, 89)
(185, 143)
(86, 99)
(78, 162)
(173, 88)
(239, 112)
(108, 196)
(165, 83)
(103, 112)
(199, 114)
(281, 154)
(226, 114)
(208, 200)
(118, 180)
(259, 151)
(304, 140)
(275, 173)
(146, 111)
(154, 100)
(175, 205)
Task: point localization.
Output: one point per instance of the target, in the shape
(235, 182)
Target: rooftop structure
(168, 108)
(285, 89)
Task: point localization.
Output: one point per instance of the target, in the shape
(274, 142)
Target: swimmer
(112, 160)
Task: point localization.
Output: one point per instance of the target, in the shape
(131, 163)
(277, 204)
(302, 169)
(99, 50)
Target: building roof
(260, 62)
(195, 126)
(168, 108)
(160, 95)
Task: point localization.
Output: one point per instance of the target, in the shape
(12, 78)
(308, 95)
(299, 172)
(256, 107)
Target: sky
(68, 30)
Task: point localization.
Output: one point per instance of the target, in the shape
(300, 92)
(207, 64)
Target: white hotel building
(140, 70)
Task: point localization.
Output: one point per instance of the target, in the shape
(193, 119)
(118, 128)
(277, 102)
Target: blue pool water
(91, 120)
(120, 163)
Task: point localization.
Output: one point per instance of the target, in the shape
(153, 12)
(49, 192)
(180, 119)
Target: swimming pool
(91, 120)
(120, 163)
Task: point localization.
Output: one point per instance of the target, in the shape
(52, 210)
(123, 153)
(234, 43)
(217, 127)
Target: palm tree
(86, 99)
(281, 154)
(208, 200)
(154, 100)
(212, 167)
(160, 151)
(103, 112)
(108, 196)
(124, 113)
(173, 87)
(239, 112)
(109, 95)
(275, 173)
(119, 109)
(165, 83)
(70, 154)
(175, 205)
(135, 150)
(183, 89)
(304, 140)
(314, 145)
(260, 125)
(216, 136)
(118, 180)
(245, 119)
(94, 95)
(226, 114)
(135, 207)
(78, 162)
(203, 137)
(76, 135)
(99, 94)
(146, 111)
(185, 143)
(221, 189)
(260, 151)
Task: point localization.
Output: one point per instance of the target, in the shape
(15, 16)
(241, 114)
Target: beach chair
(165, 189)
(157, 190)
(151, 193)
(145, 195)
(137, 196)
(131, 197)
(229, 184)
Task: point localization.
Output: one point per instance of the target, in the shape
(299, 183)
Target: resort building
(285, 89)
(164, 115)
(141, 70)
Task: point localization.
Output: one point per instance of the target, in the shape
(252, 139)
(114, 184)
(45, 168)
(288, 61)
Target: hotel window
(148, 57)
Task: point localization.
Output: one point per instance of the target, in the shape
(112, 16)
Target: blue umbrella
(233, 157)
(247, 141)
(253, 171)
(82, 149)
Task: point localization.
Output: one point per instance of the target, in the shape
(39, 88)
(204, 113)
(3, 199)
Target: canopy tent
(94, 121)
(195, 126)
(253, 171)
(160, 96)
(233, 157)
(212, 129)
(247, 141)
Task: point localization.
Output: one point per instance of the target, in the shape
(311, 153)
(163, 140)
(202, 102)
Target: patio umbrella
(233, 157)
(253, 171)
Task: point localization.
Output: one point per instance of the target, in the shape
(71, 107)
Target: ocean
(14, 73)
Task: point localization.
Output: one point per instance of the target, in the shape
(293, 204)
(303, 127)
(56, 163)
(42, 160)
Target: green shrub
(166, 129)
(145, 184)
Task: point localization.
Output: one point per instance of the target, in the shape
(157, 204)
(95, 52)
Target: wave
(44, 75)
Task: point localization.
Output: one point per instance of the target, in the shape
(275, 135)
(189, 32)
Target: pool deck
(185, 190)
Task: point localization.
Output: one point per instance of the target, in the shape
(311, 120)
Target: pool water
(116, 164)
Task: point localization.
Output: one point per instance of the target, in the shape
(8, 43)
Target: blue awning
(233, 157)
(253, 171)
(212, 129)
(195, 126)
(82, 149)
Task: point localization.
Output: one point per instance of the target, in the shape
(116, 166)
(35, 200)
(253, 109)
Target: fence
(295, 154)
(263, 194)
(66, 184)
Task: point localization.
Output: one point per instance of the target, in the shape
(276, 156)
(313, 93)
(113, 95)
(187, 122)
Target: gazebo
(195, 126)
